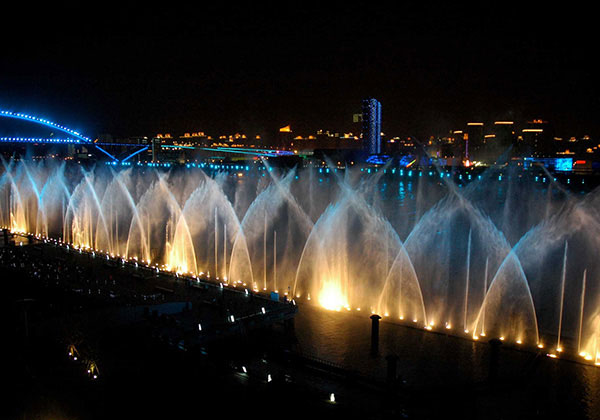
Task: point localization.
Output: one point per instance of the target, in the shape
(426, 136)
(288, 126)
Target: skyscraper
(371, 126)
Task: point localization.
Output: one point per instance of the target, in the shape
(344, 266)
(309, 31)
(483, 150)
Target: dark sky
(223, 69)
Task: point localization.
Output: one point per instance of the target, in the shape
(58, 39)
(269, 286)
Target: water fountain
(501, 255)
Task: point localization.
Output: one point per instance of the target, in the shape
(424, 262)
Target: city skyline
(355, 128)
(330, 210)
(254, 69)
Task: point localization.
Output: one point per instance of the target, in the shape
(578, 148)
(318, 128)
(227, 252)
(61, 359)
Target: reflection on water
(439, 363)
(345, 339)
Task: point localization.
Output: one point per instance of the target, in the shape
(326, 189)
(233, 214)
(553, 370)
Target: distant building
(474, 141)
(399, 146)
(285, 138)
(504, 134)
(371, 126)
(537, 139)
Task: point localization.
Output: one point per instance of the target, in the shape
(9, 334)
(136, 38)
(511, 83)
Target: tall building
(371, 126)
(474, 140)
(537, 139)
(505, 134)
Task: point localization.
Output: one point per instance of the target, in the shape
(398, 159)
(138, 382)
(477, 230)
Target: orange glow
(331, 296)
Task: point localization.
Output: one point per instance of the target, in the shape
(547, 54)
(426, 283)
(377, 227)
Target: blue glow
(377, 159)
(135, 153)
(36, 140)
(564, 164)
(236, 150)
(405, 160)
(44, 122)
(107, 154)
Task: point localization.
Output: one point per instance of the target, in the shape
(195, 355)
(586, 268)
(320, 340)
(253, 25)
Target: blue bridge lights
(44, 122)
(78, 138)
(38, 140)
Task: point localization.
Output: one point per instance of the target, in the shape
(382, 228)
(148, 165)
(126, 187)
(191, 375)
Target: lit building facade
(371, 126)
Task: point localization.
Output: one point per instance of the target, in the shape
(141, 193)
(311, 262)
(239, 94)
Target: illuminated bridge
(235, 150)
(73, 137)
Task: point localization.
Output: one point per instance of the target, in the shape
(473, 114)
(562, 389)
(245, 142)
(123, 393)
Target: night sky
(227, 69)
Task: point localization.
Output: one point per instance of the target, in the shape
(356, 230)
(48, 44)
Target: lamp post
(375, 334)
